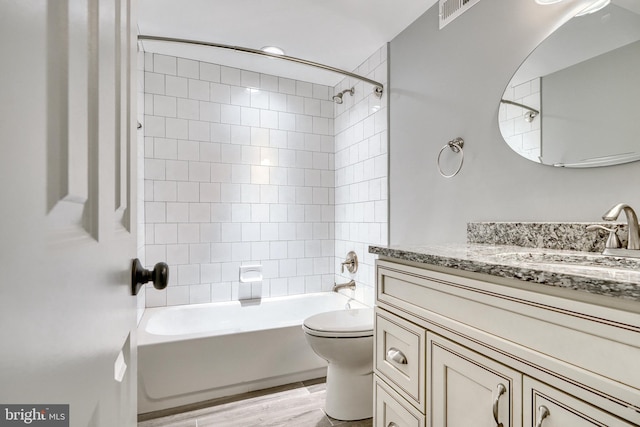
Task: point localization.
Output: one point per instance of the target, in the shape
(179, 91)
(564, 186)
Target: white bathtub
(192, 353)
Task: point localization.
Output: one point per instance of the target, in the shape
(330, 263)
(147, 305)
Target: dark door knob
(139, 276)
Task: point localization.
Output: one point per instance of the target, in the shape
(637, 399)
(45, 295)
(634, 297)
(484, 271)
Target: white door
(67, 207)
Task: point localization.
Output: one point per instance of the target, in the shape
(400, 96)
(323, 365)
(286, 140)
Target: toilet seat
(352, 323)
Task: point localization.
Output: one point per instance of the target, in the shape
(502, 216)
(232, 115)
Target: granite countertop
(581, 271)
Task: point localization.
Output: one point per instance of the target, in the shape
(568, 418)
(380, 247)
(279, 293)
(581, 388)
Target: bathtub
(192, 353)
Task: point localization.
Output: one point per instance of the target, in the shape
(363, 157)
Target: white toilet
(344, 338)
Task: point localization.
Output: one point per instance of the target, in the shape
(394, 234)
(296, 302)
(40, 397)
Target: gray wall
(448, 83)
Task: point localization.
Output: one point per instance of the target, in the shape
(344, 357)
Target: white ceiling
(338, 33)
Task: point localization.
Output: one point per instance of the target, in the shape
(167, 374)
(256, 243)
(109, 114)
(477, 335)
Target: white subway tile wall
(234, 167)
(360, 179)
(248, 168)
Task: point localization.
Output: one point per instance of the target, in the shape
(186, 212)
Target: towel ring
(456, 146)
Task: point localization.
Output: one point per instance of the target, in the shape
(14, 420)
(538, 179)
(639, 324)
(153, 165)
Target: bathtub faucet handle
(351, 262)
(139, 276)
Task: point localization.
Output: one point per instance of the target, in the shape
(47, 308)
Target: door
(468, 389)
(67, 208)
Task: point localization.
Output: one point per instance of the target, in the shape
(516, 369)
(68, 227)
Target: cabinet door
(468, 389)
(548, 407)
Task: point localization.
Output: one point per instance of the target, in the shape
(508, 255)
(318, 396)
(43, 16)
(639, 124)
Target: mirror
(575, 101)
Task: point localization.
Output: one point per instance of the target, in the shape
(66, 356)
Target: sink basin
(573, 261)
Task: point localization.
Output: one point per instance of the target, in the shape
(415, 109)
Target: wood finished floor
(294, 405)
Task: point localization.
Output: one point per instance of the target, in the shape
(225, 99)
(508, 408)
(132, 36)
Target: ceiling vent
(451, 9)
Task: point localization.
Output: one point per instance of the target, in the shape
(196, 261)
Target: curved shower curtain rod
(378, 87)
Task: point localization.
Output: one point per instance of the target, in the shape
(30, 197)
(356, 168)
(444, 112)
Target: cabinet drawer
(550, 407)
(392, 410)
(400, 356)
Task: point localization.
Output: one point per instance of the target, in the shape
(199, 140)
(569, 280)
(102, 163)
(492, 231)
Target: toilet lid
(341, 323)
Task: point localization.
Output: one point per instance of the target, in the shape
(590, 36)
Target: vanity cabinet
(462, 350)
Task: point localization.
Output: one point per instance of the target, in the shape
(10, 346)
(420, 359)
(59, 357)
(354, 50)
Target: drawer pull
(543, 412)
(501, 390)
(392, 424)
(397, 356)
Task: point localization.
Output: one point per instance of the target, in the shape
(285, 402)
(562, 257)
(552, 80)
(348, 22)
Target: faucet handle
(351, 262)
(613, 242)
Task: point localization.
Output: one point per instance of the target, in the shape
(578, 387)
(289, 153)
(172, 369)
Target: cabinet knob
(397, 356)
(543, 412)
(501, 390)
(392, 424)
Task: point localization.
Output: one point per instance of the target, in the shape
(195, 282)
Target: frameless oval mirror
(575, 101)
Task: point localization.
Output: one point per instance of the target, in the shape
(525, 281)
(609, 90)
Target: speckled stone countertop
(581, 271)
(551, 235)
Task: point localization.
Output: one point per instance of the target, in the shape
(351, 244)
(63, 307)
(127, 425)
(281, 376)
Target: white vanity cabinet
(460, 350)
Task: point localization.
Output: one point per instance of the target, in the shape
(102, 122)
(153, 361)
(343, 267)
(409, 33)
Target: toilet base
(349, 396)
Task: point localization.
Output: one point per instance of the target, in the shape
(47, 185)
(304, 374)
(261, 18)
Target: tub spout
(351, 285)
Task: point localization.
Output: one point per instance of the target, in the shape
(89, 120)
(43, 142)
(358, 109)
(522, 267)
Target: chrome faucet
(633, 239)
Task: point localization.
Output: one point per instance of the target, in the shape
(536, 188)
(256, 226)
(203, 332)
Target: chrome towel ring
(456, 146)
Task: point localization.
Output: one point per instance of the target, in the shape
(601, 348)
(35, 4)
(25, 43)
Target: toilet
(344, 338)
